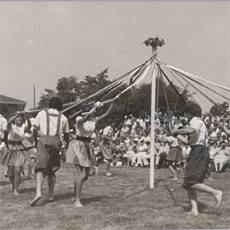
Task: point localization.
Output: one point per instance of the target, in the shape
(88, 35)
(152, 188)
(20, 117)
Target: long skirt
(16, 155)
(80, 153)
(29, 148)
(47, 156)
(197, 166)
(106, 151)
(175, 154)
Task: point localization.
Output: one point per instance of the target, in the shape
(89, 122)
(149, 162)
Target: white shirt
(86, 128)
(173, 141)
(3, 125)
(212, 151)
(128, 122)
(143, 148)
(213, 134)
(186, 151)
(16, 131)
(201, 130)
(41, 122)
(108, 131)
(164, 148)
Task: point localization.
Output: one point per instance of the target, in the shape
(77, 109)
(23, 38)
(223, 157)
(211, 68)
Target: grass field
(123, 201)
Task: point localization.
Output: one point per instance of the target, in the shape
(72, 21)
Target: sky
(42, 41)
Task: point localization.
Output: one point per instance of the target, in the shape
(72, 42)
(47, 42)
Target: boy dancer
(198, 159)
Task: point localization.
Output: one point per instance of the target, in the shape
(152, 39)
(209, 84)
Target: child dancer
(80, 151)
(198, 159)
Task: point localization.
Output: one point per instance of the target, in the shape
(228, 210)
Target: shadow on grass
(133, 194)
(158, 181)
(27, 190)
(67, 196)
(170, 191)
(93, 199)
(64, 196)
(3, 183)
(201, 207)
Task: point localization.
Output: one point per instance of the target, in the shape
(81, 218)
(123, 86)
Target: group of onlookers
(131, 142)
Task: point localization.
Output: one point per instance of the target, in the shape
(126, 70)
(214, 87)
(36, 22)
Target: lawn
(123, 201)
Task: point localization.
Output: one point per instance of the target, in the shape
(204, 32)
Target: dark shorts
(197, 166)
(48, 157)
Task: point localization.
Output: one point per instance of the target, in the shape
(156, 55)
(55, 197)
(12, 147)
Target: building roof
(10, 100)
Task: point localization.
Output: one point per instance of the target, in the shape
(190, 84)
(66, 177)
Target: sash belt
(82, 138)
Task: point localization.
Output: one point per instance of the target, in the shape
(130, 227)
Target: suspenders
(48, 122)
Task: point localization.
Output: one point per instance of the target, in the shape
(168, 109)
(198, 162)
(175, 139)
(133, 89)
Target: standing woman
(174, 156)
(198, 160)
(18, 154)
(80, 150)
(106, 145)
(3, 136)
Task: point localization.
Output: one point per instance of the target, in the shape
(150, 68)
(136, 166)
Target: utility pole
(34, 96)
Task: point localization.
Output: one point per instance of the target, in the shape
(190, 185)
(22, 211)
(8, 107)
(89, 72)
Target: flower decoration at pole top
(154, 43)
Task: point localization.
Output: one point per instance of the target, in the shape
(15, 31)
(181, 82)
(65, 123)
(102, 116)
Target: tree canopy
(136, 101)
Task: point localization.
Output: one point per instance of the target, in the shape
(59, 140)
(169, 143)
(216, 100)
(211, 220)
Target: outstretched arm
(85, 116)
(184, 131)
(29, 125)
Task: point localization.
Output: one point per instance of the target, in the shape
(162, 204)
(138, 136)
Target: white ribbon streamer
(197, 77)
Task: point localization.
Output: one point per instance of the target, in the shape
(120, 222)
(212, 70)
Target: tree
(219, 109)
(44, 99)
(90, 85)
(68, 89)
(136, 101)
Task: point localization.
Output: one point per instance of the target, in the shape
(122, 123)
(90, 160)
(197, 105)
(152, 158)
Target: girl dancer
(18, 152)
(80, 150)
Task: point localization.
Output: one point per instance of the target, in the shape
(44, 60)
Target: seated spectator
(130, 154)
(162, 150)
(142, 155)
(212, 144)
(222, 158)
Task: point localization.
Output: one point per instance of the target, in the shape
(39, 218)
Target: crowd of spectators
(131, 141)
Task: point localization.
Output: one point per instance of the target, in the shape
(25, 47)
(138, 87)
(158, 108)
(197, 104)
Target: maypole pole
(154, 43)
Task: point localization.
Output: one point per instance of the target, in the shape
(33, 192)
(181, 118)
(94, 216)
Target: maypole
(152, 147)
(154, 43)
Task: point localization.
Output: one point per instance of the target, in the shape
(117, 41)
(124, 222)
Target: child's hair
(22, 117)
(193, 109)
(55, 103)
(175, 134)
(87, 106)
